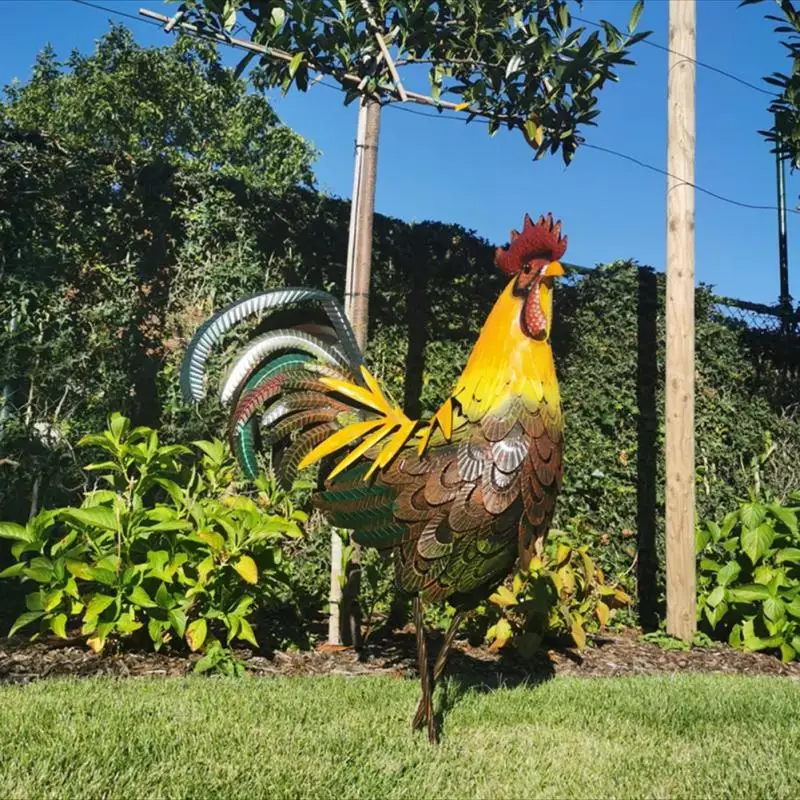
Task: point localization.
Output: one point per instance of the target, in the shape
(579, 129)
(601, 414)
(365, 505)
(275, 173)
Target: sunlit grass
(688, 736)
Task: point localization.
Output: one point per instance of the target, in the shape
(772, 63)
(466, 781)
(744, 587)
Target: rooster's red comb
(540, 240)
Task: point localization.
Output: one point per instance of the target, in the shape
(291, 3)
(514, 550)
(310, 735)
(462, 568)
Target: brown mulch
(611, 655)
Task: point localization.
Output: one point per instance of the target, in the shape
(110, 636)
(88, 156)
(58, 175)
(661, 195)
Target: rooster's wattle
(458, 499)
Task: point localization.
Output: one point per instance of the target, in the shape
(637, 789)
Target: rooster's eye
(527, 269)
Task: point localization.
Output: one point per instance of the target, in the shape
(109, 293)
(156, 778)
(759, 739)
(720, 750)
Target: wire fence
(756, 317)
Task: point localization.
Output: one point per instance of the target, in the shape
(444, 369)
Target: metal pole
(679, 391)
(785, 299)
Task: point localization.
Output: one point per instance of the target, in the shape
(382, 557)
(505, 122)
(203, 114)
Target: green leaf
(636, 13)
(774, 608)
(24, 619)
(58, 625)
(139, 597)
(787, 516)
(277, 17)
(294, 64)
(14, 571)
(79, 569)
(716, 596)
(95, 517)
(10, 530)
(97, 605)
(40, 570)
(163, 597)
(196, 634)
(178, 619)
(793, 608)
(756, 541)
(749, 592)
(752, 514)
(791, 554)
(247, 569)
(788, 653)
(246, 632)
(118, 425)
(728, 573)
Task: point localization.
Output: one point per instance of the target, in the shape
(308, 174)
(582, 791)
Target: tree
(519, 64)
(120, 178)
(786, 105)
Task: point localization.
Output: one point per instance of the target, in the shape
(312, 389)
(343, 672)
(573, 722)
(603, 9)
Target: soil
(614, 655)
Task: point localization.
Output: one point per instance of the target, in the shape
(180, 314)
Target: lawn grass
(685, 736)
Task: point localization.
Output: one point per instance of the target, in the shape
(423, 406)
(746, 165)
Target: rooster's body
(458, 499)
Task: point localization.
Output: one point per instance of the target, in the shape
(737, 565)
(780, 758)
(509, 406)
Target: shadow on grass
(467, 672)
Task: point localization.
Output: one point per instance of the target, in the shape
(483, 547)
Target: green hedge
(109, 268)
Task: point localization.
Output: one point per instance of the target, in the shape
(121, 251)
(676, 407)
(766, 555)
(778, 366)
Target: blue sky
(445, 170)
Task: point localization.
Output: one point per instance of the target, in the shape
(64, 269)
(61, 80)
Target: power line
(598, 148)
(134, 17)
(702, 64)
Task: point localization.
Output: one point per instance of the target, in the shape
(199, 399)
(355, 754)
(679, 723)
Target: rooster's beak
(554, 270)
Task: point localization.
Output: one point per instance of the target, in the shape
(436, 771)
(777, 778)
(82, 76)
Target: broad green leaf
(728, 573)
(10, 530)
(163, 597)
(40, 570)
(748, 593)
(79, 569)
(578, 633)
(774, 608)
(138, 596)
(51, 599)
(295, 63)
(787, 516)
(14, 571)
(247, 569)
(214, 540)
(788, 653)
(24, 619)
(246, 632)
(790, 554)
(756, 541)
(95, 517)
(793, 608)
(118, 425)
(155, 628)
(196, 634)
(716, 596)
(97, 605)
(752, 514)
(127, 624)
(178, 619)
(58, 625)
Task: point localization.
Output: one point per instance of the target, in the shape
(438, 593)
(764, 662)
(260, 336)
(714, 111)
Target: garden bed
(612, 655)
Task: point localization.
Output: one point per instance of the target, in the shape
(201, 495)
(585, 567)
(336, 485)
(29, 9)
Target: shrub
(564, 593)
(170, 544)
(749, 577)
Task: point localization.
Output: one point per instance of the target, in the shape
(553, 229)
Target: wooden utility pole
(344, 622)
(681, 581)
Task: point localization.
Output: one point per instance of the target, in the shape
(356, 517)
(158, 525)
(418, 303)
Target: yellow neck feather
(505, 363)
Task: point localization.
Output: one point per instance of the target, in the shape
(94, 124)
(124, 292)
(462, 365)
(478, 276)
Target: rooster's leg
(441, 661)
(426, 702)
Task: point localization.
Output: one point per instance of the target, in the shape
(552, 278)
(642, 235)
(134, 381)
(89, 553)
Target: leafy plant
(564, 593)
(749, 577)
(171, 545)
(519, 64)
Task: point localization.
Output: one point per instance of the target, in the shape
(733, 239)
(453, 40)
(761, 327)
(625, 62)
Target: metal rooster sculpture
(459, 498)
